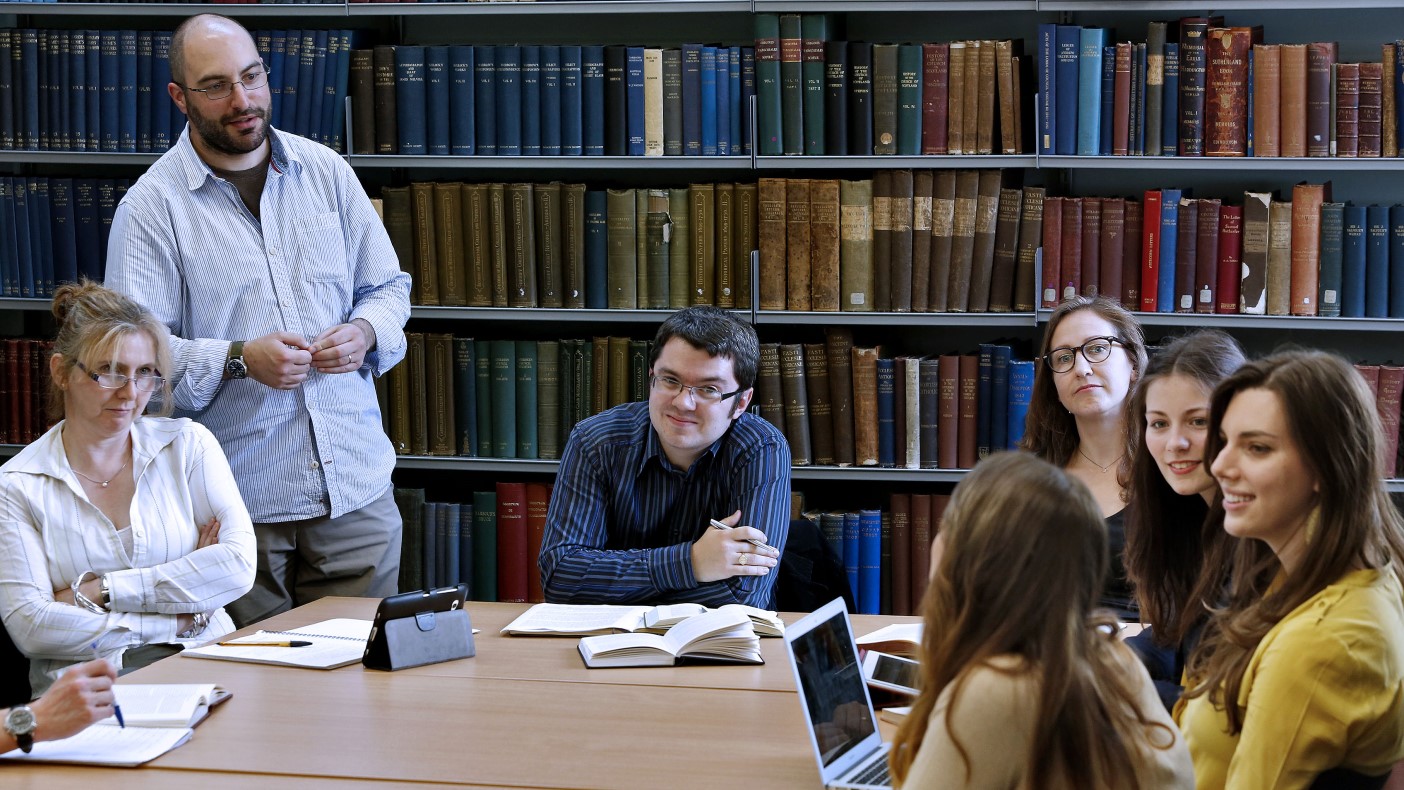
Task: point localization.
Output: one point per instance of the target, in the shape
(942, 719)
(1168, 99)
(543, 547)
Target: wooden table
(524, 713)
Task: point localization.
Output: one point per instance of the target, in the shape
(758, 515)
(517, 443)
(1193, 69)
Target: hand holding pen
(81, 696)
(725, 551)
(111, 672)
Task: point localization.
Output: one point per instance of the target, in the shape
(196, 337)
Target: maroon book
(1230, 259)
(935, 87)
(512, 543)
(1091, 246)
(1051, 272)
(1206, 265)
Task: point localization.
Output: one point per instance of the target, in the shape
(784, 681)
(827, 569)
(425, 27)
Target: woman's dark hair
(1166, 534)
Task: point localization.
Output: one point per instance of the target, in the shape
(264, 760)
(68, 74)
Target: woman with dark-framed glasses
(122, 535)
(1093, 351)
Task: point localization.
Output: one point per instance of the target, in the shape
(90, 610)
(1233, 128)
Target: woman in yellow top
(1301, 671)
(1024, 681)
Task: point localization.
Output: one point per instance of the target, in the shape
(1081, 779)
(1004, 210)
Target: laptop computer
(850, 751)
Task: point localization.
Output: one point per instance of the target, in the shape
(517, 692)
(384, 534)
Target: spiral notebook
(335, 643)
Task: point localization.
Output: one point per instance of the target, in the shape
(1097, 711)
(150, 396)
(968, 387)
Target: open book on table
(899, 639)
(158, 718)
(556, 619)
(334, 643)
(724, 635)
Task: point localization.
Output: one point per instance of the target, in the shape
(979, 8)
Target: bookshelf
(670, 22)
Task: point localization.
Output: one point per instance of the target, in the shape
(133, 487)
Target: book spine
(813, 35)
(1206, 266)
(860, 99)
(1332, 237)
(1230, 264)
(592, 99)
(1194, 62)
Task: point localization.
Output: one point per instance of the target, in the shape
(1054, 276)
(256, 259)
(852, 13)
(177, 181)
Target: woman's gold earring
(1313, 524)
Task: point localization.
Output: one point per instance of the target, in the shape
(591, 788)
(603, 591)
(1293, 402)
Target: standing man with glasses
(261, 253)
(638, 484)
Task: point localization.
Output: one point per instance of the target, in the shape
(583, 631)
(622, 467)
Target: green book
(884, 99)
(638, 370)
(504, 399)
(815, 31)
(909, 100)
(482, 364)
(410, 502)
(465, 392)
(621, 272)
(548, 399)
(642, 282)
(768, 84)
(484, 546)
(526, 399)
(566, 396)
(655, 279)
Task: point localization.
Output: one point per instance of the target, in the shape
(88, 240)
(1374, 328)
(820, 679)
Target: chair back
(811, 574)
(1345, 779)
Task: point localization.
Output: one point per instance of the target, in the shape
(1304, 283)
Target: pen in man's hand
(294, 643)
(718, 525)
(116, 709)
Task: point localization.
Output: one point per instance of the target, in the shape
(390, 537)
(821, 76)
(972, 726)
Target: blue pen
(116, 709)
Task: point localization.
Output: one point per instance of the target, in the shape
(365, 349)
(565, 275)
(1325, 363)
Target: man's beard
(213, 134)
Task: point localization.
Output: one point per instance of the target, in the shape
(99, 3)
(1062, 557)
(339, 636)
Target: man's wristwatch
(20, 724)
(234, 367)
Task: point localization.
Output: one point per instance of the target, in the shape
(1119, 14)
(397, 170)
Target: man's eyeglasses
(145, 382)
(704, 394)
(254, 79)
(1095, 350)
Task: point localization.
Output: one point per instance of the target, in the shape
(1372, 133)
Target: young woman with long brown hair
(1169, 494)
(1301, 670)
(1093, 351)
(1024, 681)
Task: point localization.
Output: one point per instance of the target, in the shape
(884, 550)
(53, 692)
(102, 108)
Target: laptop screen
(831, 683)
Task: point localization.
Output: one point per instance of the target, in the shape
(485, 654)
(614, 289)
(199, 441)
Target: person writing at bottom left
(80, 697)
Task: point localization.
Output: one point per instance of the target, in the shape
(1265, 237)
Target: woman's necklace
(108, 481)
(1081, 453)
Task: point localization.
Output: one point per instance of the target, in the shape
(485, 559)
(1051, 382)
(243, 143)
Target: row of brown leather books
(559, 245)
(24, 386)
(838, 404)
(902, 241)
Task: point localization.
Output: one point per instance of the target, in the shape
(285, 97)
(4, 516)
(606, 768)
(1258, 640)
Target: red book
(1387, 402)
(1131, 257)
(1150, 250)
(1052, 251)
(1091, 267)
(1206, 267)
(901, 507)
(948, 410)
(935, 88)
(1121, 99)
(1230, 259)
(1306, 246)
(512, 542)
(1070, 278)
(24, 419)
(538, 498)
(920, 558)
(967, 408)
(17, 393)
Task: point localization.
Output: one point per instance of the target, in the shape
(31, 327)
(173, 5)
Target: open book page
(899, 639)
(724, 632)
(107, 746)
(557, 619)
(162, 705)
(335, 643)
(664, 616)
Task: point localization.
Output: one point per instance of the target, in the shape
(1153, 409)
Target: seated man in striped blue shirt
(262, 254)
(638, 484)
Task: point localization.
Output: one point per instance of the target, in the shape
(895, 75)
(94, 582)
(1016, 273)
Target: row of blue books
(106, 90)
(549, 100)
(54, 230)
